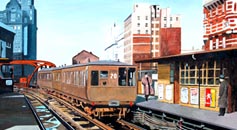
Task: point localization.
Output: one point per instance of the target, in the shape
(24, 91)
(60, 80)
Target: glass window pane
(192, 80)
(182, 81)
(131, 77)
(192, 73)
(210, 73)
(122, 76)
(103, 74)
(182, 73)
(94, 78)
(210, 81)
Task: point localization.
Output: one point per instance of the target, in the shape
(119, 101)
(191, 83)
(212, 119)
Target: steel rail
(130, 125)
(40, 124)
(62, 121)
(83, 114)
(89, 118)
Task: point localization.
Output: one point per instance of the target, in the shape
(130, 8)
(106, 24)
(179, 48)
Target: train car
(101, 88)
(45, 79)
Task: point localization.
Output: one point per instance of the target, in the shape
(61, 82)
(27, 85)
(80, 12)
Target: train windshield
(127, 77)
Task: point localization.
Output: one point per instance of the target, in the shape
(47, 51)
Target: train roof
(102, 63)
(94, 63)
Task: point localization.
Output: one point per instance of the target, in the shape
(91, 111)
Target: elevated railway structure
(35, 63)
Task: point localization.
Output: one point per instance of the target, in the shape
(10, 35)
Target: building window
(146, 17)
(146, 31)
(138, 24)
(165, 25)
(177, 18)
(146, 24)
(13, 17)
(138, 17)
(208, 72)
(138, 31)
(171, 25)
(170, 18)
(165, 18)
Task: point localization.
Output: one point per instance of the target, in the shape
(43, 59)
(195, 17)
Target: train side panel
(74, 82)
(44, 79)
(57, 77)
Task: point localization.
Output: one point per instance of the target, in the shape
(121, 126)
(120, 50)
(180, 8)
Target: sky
(66, 27)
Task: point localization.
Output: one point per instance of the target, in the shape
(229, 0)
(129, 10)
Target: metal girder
(36, 63)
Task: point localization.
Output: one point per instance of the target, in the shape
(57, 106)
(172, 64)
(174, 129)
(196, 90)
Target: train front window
(131, 77)
(94, 78)
(127, 77)
(122, 76)
(104, 74)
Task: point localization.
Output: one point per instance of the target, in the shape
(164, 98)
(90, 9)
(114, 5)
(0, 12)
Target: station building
(192, 79)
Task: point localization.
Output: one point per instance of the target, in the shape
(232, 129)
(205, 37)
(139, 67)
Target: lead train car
(101, 88)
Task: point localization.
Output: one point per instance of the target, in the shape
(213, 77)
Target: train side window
(122, 76)
(131, 77)
(94, 78)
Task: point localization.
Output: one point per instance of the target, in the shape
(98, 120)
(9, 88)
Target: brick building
(84, 57)
(220, 28)
(142, 33)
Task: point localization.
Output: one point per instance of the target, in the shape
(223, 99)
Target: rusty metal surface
(15, 112)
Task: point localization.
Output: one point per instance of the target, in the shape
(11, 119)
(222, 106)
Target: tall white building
(143, 29)
(140, 38)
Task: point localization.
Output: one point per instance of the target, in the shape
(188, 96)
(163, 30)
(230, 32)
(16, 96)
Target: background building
(84, 57)
(21, 16)
(6, 48)
(147, 34)
(6, 41)
(220, 24)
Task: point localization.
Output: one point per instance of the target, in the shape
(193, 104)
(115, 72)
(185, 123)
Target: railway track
(70, 114)
(75, 117)
(48, 119)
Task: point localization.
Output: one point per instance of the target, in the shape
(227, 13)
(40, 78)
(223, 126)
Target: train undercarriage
(97, 111)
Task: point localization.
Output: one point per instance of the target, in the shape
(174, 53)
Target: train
(100, 88)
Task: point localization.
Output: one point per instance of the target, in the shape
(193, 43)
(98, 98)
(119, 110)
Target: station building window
(206, 74)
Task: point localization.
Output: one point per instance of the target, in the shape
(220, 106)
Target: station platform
(228, 121)
(15, 114)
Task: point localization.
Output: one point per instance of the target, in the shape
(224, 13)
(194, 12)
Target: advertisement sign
(169, 92)
(194, 95)
(210, 97)
(160, 91)
(184, 95)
